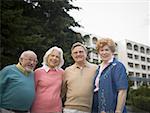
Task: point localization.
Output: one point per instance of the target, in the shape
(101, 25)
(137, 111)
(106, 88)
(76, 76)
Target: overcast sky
(117, 19)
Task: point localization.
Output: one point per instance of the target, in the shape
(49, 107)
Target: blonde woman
(110, 83)
(48, 81)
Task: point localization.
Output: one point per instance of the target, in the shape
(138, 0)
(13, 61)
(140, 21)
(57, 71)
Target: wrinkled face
(79, 54)
(29, 62)
(105, 53)
(53, 59)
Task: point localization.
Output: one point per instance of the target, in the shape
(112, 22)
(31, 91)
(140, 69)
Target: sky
(116, 19)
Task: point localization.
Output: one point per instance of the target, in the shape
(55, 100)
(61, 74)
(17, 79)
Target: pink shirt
(48, 88)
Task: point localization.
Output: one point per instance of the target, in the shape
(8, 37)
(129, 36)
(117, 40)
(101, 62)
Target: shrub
(139, 98)
(142, 102)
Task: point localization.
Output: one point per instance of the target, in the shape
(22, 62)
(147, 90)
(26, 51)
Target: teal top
(16, 88)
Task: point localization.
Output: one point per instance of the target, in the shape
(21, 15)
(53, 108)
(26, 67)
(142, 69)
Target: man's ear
(71, 55)
(20, 60)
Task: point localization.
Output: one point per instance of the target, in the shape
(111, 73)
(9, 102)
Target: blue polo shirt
(112, 78)
(16, 89)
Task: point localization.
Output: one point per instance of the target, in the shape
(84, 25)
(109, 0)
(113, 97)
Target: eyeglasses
(31, 60)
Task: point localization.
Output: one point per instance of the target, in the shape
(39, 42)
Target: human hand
(103, 112)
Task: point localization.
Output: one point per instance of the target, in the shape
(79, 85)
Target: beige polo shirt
(78, 86)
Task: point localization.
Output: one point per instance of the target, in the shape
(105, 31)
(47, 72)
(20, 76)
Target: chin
(29, 69)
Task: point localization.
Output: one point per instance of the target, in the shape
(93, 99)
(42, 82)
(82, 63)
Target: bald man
(17, 84)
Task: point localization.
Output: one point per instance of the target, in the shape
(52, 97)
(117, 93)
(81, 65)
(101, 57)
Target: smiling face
(105, 48)
(53, 59)
(28, 61)
(79, 54)
(105, 53)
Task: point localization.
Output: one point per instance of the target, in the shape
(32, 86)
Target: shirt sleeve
(3, 81)
(64, 87)
(120, 77)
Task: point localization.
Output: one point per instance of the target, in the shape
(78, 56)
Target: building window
(95, 55)
(130, 55)
(144, 75)
(138, 83)
(136, 57)
(129, 46)
(130, 64)
(87, 40)
(136, 48)
(130, 73)
(95, 61)
(94, 40)
(116, 55)
(137, 74)
(148, 51)
(148, 59)
(137, 66)
(142, 50)
(148, 68)
(144, 83)
(143, 67)
(142, 58)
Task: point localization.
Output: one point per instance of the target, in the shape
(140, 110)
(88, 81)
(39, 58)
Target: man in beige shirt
(78, 82)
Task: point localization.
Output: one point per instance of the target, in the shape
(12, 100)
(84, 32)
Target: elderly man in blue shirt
(17, 84)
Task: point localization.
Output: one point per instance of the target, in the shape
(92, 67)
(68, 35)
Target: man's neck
(19, 66)
(81, 64)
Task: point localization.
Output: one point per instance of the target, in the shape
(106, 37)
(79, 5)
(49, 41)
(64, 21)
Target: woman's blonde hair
(61, 63)
(106, 41)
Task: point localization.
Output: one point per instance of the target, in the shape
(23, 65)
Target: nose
(33, 62)
(104, 52)
(78, 53)
(54, 57)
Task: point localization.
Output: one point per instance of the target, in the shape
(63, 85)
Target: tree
(36, 25)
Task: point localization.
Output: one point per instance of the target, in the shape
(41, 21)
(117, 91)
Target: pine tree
(36, 25)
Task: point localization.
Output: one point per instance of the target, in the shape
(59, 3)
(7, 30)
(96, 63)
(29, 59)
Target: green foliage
(140, 98)
(36, 25)
(142, 102)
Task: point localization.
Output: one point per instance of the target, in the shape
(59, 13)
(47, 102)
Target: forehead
(55, 52)
(105, 47)
(78, 48)
(30, 55)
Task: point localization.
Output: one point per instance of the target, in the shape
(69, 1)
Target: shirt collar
(22, 69)
(86, 64)
(46, 68)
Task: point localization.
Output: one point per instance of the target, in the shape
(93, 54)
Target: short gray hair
(78, 44)
(61, 63)
(25, 53)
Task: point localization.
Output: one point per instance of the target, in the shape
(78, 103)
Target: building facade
(90, 43)
(135, 57)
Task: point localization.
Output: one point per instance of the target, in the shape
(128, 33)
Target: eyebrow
(78, 51)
